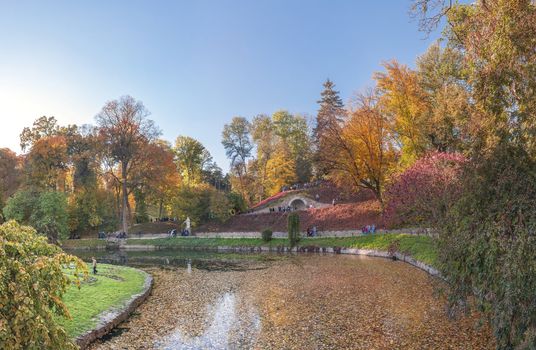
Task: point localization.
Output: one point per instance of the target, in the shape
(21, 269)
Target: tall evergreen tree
(330, 115)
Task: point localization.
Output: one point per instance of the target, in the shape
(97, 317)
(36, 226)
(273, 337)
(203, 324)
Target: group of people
(312, 232)
(165, 219)
(368, 229)
(187, 231)
(282, 209)
(104, 235)
(300, 186)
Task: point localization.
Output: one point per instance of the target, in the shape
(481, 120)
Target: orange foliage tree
(364, 153)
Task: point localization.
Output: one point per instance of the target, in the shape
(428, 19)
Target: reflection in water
(212, 261)
(222, 330)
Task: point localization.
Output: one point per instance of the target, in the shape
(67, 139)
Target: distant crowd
(165, 219)
(301, 186)
(104, 235)
(283, 209)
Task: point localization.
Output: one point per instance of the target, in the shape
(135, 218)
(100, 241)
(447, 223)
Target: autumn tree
(284, 155)
(84, 152)
(67, 159)
(201, 203)
(157, 179)
(486, 241)
(442, 75)
(44, 127)
(124, 130)
(405, 103)
(280, 171)
(153, 178)
(264, 138)
(365, 154)
(47, 163)
(192, 159)
(88, 203)
(10, 174)
(236, 139)
(31, 289)
(294, 139)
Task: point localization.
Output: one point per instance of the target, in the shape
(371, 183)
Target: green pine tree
(328, 120)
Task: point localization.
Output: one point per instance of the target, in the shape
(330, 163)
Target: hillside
(346, 216)
(351, 212)
(323, 193)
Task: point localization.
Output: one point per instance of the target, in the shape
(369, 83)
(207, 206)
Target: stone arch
(298, 203)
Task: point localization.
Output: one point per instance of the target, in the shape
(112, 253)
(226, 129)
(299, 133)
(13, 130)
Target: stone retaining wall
(342, 233)
(110, 319)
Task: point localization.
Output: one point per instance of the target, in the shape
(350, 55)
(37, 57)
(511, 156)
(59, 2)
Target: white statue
(187, 224)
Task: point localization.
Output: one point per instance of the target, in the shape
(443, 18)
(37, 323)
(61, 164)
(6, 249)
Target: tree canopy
(31, 288)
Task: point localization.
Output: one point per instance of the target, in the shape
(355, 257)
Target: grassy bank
(420, 247)
(111, 287)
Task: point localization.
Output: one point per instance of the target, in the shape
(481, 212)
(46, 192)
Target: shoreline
(300, 249)
(112, 317)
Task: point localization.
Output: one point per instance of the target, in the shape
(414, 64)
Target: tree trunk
(124, 191)
(160, 209)
(129, 211)
(117, 203)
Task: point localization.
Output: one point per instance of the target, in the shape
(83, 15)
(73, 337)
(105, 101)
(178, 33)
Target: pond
(270, 301)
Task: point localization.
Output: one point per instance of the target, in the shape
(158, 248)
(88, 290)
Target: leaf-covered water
(295, 302)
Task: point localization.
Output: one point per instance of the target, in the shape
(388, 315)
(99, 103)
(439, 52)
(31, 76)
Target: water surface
(270, 301)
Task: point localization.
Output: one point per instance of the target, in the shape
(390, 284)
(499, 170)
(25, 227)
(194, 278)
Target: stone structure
(296, 202)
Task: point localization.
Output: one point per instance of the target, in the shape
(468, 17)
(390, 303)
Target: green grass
(111, 287)
(420, 247)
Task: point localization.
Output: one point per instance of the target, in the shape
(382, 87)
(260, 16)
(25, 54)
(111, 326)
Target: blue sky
(194, 64)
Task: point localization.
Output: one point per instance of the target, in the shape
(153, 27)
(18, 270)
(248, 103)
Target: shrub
(201, 203)
(45, 211)
(237, 202)
(487, 245)
(293, 225)
(266, 235)
(423, 193)
(31, 289)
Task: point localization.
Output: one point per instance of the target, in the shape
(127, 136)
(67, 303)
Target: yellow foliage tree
(405, 103)
(281, 170)
(31, 289)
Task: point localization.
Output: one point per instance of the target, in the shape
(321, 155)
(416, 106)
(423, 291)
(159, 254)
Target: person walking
(94, 261)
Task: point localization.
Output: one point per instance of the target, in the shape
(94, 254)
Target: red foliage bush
(423, 192)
